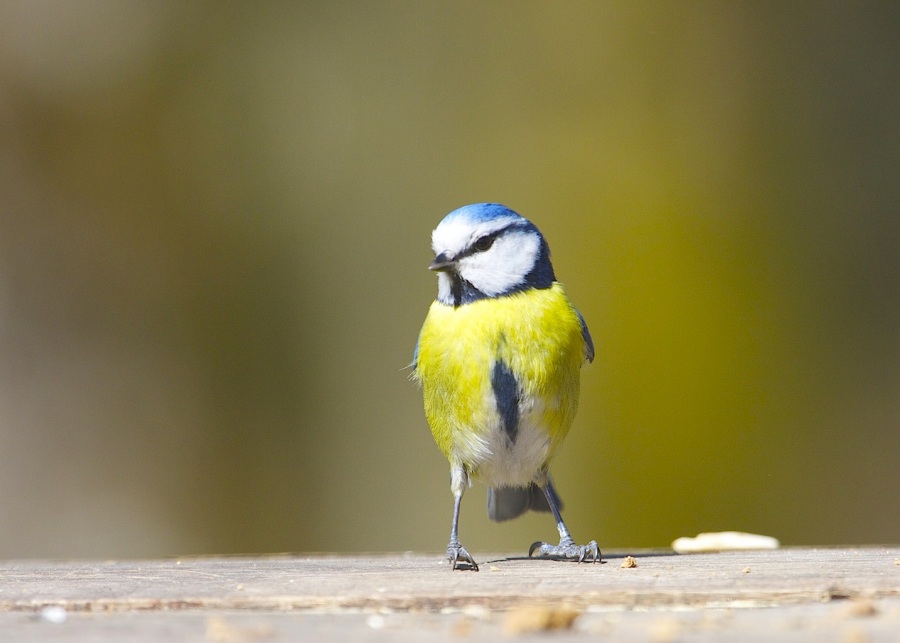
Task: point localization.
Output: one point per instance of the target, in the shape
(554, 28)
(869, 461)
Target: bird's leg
(566, 549)
(456, 553)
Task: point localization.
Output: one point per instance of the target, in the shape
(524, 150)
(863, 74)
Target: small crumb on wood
(856, 635)
(860, 608)
(666, 630)
(477, 611)
(53, 614)
(494, 568)
(462, 628)
(746, 570)
(724, 541)
(376, 621)
(629, 562)
(218, 629)
(524, 620)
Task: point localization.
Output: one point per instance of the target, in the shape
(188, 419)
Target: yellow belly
(537, 335)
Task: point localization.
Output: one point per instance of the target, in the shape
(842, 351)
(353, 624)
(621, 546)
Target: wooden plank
(420, 590)
(424, 583)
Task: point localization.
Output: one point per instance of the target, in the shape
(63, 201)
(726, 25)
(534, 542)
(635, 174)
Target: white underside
(496, 461)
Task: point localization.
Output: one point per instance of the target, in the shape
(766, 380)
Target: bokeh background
(214, 233)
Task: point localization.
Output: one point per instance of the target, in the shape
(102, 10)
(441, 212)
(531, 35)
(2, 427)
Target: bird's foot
(459, 558)
(567, 550)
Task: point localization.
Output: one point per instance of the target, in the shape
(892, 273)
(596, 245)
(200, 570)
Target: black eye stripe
(484, 243)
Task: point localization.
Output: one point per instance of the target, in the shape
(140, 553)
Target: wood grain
(388, 586)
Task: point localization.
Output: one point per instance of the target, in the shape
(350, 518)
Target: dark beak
(441, 263)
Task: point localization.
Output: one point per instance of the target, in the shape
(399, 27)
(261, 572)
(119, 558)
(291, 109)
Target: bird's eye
(484, 243)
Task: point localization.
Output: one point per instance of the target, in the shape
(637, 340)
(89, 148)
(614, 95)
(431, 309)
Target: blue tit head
(486, 250)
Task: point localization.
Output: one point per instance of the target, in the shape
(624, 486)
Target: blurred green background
(214, 233)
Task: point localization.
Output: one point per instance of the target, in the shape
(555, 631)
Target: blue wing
(585, 333)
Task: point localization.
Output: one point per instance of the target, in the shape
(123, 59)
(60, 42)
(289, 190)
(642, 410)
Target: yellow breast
(537, 335)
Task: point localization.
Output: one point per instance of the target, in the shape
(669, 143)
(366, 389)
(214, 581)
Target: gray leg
(566, 549)
(456, 553)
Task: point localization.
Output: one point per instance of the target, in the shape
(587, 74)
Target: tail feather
(506, 503)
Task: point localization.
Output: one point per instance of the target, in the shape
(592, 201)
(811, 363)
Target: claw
(566, 550)
(457, 554)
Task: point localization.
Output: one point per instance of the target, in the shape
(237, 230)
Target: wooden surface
(848, 594)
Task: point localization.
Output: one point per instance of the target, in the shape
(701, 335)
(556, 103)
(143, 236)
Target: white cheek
(502, 267)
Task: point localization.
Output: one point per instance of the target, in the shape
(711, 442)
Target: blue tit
(499, 359)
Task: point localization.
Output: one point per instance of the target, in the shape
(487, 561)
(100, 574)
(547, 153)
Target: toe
(459, 556)
(540, 547)
(566, 551)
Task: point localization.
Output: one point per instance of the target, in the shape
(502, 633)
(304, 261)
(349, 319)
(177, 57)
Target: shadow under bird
(499, 359)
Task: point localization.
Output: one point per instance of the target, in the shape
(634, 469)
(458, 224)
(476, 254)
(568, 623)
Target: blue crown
(483, 212)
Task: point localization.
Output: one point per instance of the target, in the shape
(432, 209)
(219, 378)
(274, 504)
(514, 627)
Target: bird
(498, 360)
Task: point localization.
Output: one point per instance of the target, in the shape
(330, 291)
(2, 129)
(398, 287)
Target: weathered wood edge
(661, 600)
(417, 586)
